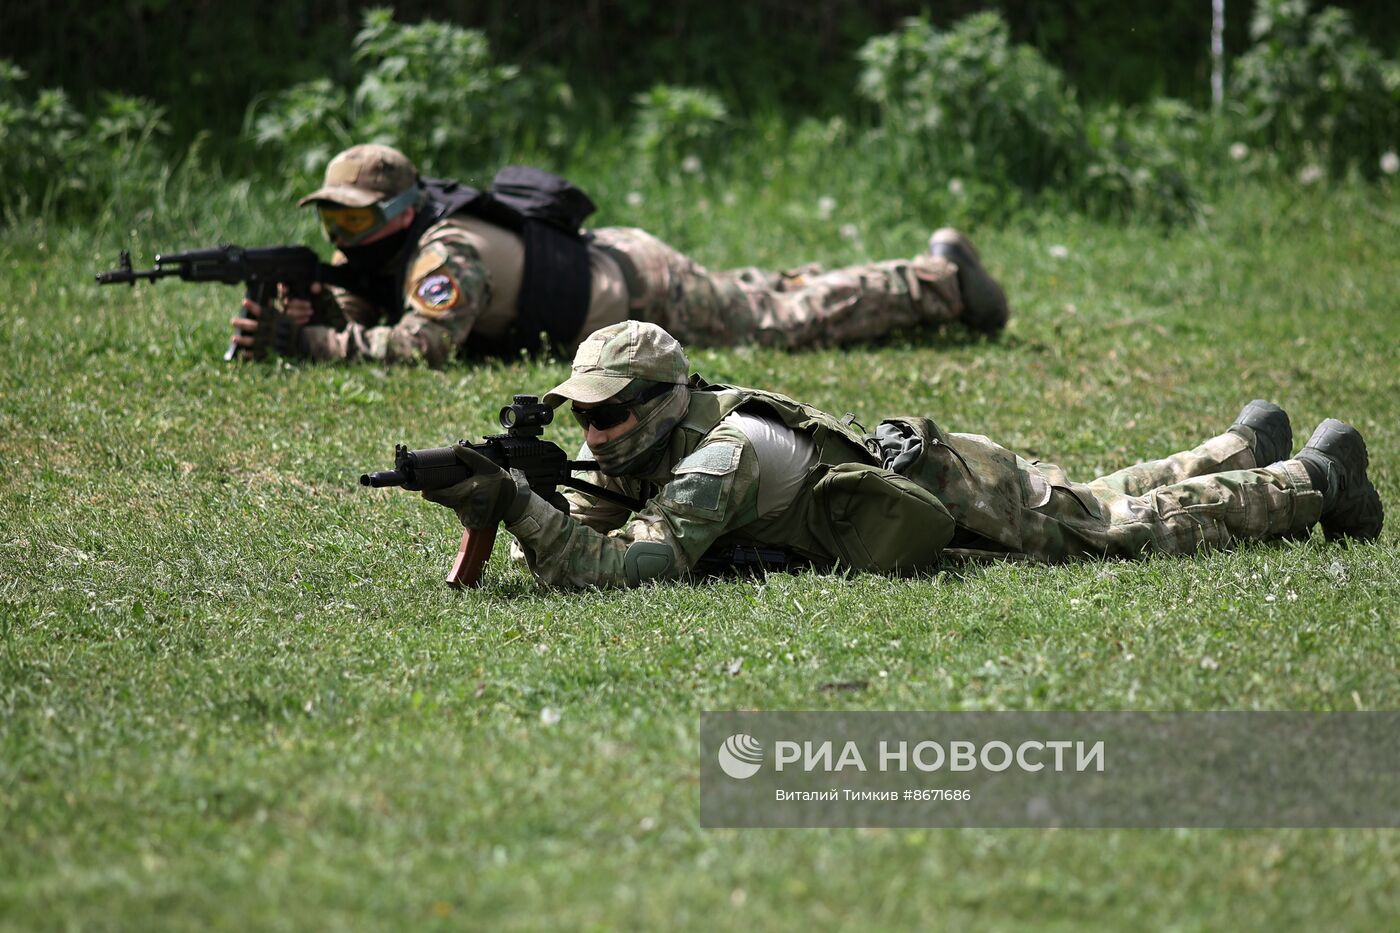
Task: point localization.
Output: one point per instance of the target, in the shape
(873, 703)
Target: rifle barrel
(383, 478)
(129, 276)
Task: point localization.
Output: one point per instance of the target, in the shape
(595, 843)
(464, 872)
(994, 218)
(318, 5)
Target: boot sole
(1363, 519)
(980, 290)
(1261, 414)
(1362, 522)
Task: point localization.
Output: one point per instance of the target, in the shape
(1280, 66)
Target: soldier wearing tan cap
(725, 467)
(443, 276)
(438, 279)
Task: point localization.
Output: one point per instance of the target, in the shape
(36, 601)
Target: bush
(308, 121)
(54, 158)
(973, 101)
(1314, 91)
(432, 89)
(677, 125)
(1144, 160)
(967, 103)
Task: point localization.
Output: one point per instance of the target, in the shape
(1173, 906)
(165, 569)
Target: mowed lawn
(235, 694)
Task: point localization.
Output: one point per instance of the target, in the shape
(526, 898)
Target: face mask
(376, 255)
(640, 450)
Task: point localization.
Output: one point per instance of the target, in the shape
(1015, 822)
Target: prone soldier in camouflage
(457, 285)
(734, 466)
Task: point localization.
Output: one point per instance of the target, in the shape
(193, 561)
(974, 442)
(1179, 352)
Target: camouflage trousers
(803, 307)
(1202, 498)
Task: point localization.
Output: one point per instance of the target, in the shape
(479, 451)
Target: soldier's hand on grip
(486, 498)
(299, 310)
(245, 330)
(267, 329)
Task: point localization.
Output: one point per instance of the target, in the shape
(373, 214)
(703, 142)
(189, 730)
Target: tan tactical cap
(363, 175)
(613, 356)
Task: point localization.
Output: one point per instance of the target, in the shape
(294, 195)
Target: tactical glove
(286, 337)
(486, 498)
(277, 333)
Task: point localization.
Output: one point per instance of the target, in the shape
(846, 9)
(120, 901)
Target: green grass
(235, 694)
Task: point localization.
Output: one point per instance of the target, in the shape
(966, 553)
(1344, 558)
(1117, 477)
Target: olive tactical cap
(364, 175)
(613, 356)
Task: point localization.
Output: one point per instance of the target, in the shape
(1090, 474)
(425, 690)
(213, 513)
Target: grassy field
(235, 694)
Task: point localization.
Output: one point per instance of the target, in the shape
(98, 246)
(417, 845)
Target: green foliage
(55, 158)
(975, 100)
(968, 124)
(673, 124)
(431, 88)
(965, 101)
(1144, 163)
(771, 54)
(307, 121)
(1315, 91)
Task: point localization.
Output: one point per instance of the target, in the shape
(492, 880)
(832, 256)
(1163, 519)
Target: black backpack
(547, 211)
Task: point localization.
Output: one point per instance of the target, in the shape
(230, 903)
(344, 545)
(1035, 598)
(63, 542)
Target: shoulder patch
(700, 491)
(435, 293)
(430, 259)
(712, 460)
(701, 480)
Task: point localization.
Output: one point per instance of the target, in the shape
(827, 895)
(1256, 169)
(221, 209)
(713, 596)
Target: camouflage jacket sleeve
(713, 491)
(446, 288)
(596, 512)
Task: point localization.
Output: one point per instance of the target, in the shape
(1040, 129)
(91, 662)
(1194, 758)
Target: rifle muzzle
(384, 478)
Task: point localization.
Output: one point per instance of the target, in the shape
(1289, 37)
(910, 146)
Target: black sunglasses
(612, 414)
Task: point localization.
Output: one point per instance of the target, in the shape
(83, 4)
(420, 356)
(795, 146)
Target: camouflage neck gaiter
(638, 451)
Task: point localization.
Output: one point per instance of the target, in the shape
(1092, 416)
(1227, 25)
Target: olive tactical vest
(710, 404)
(851, 510)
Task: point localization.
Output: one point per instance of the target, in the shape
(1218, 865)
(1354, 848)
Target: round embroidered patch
(436, 292)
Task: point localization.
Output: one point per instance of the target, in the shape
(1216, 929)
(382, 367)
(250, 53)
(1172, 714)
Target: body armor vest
(546, 212)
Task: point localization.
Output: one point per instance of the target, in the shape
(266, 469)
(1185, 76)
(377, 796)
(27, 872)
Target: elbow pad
(647, 560)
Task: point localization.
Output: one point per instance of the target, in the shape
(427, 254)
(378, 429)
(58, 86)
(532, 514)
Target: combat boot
(1266, 429)
(984, 302)
(1351, 507)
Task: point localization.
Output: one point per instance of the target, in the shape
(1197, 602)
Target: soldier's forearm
(382, 344)
(566, 552)
(329, 343)
(599, 514)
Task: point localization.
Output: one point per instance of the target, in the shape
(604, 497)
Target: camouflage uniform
(803, 308)
(709, 479)
(1208, 496)
(463, 277)
(445, 291)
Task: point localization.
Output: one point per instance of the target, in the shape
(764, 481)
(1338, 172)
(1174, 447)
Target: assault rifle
(259, 268)
(748, 560)
(545, 465)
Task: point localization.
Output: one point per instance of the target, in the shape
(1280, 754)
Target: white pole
(1217, 52)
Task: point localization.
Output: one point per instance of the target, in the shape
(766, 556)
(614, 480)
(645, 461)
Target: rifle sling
(635, 505)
